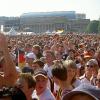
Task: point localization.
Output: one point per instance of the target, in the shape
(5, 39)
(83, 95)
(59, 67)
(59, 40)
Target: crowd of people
(50, 67)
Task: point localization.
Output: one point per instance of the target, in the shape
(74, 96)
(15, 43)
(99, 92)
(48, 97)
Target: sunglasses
(91, 66)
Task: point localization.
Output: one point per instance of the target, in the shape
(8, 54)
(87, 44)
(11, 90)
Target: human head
(28, 47)
(58, 55)
(71, 68)
(91, 51)
(86, 91)
(88, 70)
(26, 82)
(46, 47)
(60, 48)
(23, 89)
(49, 56)
(37, 64)
(36, 49)
(87, 56)
(93, 64)
(71, 53)
(59, 72)
(41, 80)
(30, 57)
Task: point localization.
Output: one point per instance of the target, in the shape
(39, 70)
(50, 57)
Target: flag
(60, 31)
(21, 58)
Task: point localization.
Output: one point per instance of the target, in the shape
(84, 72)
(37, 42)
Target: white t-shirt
(84, 80)
(46, 95)
(34, 95)
(48, 69)
(76, 83)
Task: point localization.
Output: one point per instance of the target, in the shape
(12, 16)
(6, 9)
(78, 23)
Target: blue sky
(16, 7)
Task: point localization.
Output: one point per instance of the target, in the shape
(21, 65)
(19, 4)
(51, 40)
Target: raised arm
(10, 73)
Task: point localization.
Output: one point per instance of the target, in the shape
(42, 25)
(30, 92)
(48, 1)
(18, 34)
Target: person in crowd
(87, 74)
(30, 57)
(25, 85)
(37, 50)
(82, 49)
(42, 91)
(8, 65)
(28, 48)
(37, 64)
(59, 73)
(49, 57)
(83, 92)
(22, 90)
(71, 54)
(46, 47)
(72, 73)
(98, 79)
(95, 67)
(58, 55)
(43, 59)
(87, 56)
(97, 56)
(92, 51)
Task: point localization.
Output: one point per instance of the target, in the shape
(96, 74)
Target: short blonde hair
(70, 64)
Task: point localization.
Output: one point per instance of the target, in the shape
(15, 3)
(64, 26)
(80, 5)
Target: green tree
(99, 27)
(93, 27)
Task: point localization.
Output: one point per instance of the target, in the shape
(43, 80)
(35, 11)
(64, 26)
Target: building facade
(41, 22)
(53, 21)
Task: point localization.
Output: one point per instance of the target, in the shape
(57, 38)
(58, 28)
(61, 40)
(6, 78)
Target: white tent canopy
(12, 32)
(48, 32)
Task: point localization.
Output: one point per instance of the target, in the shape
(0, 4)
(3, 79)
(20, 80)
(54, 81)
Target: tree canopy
(93, 27)
(99, 27)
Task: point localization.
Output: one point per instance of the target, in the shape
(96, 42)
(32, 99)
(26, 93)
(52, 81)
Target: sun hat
(85, 89)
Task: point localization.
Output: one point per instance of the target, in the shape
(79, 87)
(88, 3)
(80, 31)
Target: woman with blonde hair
(71, 68)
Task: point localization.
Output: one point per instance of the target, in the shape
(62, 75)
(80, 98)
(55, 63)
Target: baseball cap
(40, 72)
(31, 55)
(85, 89)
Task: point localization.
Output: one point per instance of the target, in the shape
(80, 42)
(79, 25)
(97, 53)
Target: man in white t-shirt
(50, 57)
(42, 91)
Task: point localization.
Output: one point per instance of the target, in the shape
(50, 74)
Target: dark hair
(50, 52)
(59, 71)
(39, 62)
